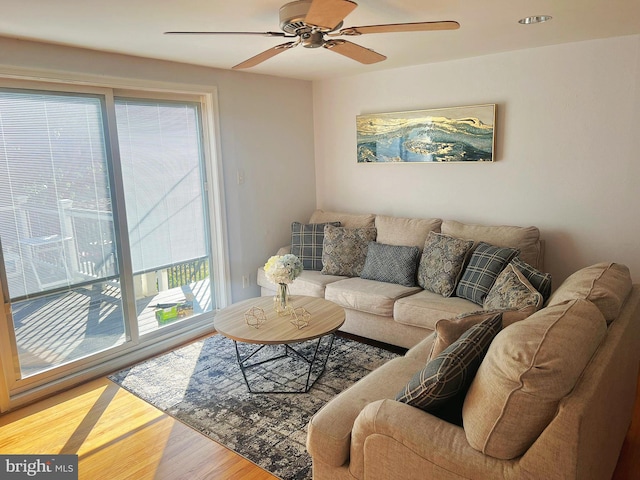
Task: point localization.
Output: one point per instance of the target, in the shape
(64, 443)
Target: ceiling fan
(315, 23)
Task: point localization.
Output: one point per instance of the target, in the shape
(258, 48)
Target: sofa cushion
(525, 239)
(306, 243)
(512, 290)
(528, 369)
(485, 264)
(441, 263)
(425, 308)
(607, 285)
(450, 373)
(345, 249)
(391, 264)
(347, 220)
(541, 281)
(405, 231)
(449, 330)
(310, 282)
(368, 296)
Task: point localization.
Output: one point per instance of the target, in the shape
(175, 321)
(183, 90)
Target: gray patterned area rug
(202, 386)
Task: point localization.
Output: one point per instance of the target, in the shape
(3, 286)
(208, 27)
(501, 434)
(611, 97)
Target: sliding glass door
(104, 224)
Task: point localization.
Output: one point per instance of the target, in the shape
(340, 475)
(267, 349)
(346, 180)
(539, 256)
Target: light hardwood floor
(118, 436)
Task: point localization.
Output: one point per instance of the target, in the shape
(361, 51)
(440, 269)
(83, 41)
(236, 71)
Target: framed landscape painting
(457, 134)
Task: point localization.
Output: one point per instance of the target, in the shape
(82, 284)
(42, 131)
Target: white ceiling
(136, 27)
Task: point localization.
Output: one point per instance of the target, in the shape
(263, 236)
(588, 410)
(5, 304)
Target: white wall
(566, 154)
(266, 130)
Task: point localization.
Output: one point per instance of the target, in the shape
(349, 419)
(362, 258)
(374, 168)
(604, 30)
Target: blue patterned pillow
(450, 373)
(306, 243)
(391, 264)
(486, 263)
(540, 281)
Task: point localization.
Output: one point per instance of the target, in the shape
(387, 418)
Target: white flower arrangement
(283, 268)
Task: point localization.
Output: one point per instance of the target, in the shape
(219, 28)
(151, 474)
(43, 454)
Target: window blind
(55, 204)
(160, 154)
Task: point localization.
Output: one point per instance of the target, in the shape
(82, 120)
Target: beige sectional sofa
(392, 313)
(552, 399)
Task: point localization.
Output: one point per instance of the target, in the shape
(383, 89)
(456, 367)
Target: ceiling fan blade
(266, 55)
(401, 27)
(354, 51)
(262, 34)
(328, 13)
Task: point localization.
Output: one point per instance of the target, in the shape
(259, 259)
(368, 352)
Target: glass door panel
(164, 185)
(57, 229)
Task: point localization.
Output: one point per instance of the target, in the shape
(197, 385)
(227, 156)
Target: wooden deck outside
(63, 327)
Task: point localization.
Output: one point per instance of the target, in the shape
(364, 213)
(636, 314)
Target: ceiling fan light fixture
(535, 19)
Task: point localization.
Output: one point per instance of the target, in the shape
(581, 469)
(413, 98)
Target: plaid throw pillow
(450, 373)
(306, 243)
(486, 263)
(391, 264)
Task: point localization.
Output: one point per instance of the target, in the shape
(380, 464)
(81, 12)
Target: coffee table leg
(242, 362)
(313, 360)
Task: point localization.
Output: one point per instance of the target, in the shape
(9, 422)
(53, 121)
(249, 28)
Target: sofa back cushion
(530, 366)
(525, 239)
(405, 231)
(607, 285)
(348, 220)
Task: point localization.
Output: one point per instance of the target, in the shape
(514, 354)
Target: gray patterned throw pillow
(391, 264)
(441, 263)
(306, 243)
(453, 370)
(344, 250)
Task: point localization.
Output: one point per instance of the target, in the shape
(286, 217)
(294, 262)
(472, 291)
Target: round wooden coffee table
(325, 318)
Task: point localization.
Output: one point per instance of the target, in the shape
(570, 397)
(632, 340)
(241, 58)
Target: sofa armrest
(330, 429)
(416, 445)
